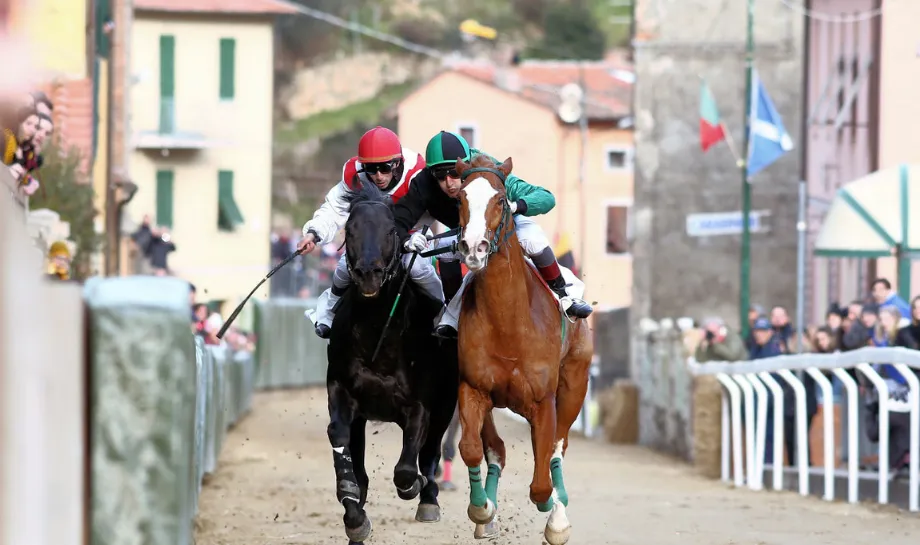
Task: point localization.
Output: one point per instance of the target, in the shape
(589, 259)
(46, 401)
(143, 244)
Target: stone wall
(679, 275)
(42, 384)
(345, 81)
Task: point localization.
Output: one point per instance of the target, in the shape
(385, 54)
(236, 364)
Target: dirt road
(275, 485)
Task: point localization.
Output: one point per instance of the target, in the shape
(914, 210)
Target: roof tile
(252, 7)
(608, 97)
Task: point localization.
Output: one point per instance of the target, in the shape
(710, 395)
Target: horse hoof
(447, 486)
(428, 512)
(361, 533)
(558, 528)
(486, 531)
(413, 491)
(481, 515)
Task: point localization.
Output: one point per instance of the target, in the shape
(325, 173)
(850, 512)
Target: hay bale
(707, 426)
(619, 407)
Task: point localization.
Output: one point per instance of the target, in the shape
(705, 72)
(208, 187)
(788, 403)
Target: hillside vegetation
(309, 150)
(587, 27)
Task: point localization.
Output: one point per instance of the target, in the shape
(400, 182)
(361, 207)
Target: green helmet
(445, 148)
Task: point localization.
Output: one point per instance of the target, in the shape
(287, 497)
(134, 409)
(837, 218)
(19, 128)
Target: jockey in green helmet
(436, 190)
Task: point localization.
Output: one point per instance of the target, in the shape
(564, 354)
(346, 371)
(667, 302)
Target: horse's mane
(482, 160)
(368, 192)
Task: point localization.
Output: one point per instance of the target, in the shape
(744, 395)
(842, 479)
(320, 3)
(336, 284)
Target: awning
(870, 217)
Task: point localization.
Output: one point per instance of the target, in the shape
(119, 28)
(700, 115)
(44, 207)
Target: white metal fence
(748, 387)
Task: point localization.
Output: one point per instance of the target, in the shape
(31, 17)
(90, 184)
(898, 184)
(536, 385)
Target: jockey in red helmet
(383, 161)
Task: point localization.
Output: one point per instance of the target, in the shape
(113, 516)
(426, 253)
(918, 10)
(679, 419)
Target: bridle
(494, 236)
(393, 266)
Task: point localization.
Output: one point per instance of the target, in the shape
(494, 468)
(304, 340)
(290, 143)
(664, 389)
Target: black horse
(413, 381)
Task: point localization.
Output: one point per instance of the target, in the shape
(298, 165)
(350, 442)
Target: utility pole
(745, 285)
(582, 167)
(110, 207)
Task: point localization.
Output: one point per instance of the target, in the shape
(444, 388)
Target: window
(469, 133)
(167, 83)
(617, 159)
(618, 235)
(227, 68)
(229, 216)
(165, 198)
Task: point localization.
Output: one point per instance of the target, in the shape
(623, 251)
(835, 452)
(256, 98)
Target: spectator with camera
(719, 343)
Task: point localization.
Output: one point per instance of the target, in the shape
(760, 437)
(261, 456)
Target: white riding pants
(533, 241)
(423, 274)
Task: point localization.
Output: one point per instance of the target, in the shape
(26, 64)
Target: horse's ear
(460, 166)
(506, 167)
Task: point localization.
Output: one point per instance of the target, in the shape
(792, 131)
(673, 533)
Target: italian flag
(711, 131)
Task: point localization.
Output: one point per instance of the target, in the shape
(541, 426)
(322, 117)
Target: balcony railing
(194, 127)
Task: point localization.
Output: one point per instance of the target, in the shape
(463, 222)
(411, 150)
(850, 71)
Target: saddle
(562, 304)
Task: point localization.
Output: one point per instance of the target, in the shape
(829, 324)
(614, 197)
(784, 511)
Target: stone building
(676, 43)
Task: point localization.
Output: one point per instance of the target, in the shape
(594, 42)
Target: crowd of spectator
(27, 126)
(206, 323)
(307, 275)
(882, 319)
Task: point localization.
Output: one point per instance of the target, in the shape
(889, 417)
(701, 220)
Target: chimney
(507, 78)
(506, 74)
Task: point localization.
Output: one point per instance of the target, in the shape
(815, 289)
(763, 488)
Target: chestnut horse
(517, 349)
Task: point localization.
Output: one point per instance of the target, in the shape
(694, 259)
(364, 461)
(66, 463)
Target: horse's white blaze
(478, 194)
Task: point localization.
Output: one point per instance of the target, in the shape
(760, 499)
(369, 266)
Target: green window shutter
(167, 83)
(165, 198)
(227, 68)
(228, 213)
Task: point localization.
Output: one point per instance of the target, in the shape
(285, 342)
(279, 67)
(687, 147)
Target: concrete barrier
(42, 392)
(162, 402)
(289, 354)
(115, 410)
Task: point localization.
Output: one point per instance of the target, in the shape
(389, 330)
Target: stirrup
(322, 331)
(445, 331)
(578, 308)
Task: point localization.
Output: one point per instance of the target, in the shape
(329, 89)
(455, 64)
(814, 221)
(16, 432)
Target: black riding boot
(445, 332)
(579, 308)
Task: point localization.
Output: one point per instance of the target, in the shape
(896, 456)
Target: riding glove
(416, 242)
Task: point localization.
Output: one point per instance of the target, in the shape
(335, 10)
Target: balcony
(168, 136)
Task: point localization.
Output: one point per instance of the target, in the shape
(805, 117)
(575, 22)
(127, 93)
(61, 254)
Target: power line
(367, 31)
(857, 17)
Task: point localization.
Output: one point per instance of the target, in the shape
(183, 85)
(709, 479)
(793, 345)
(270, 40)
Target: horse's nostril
(483, 247)
(464, 247)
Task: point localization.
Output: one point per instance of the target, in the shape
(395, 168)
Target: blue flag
(768, 140)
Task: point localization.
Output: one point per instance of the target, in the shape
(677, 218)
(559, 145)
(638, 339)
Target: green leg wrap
(492, 483)
(546, 507)
(477, 493)
(555, 468)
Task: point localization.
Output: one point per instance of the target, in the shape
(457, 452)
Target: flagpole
(731, 144)
(745, 284)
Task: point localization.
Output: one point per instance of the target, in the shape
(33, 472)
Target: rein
(500, 235)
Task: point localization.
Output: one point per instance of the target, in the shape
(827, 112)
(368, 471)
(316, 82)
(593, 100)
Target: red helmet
(379, 145)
